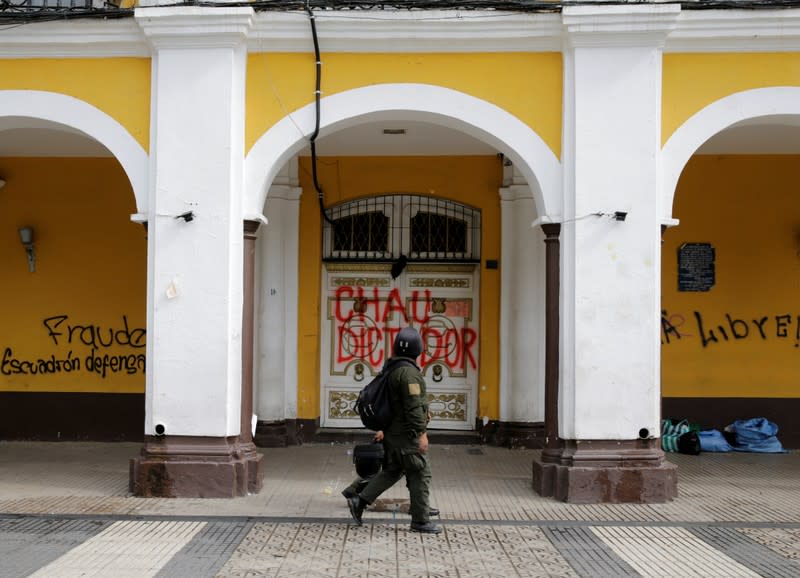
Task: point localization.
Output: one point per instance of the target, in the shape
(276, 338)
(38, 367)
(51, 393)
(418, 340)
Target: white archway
(77, 114)
(420, 102)
(715, 117)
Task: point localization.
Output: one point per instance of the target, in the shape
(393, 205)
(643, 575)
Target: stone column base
(195, 467)
(255, 465)
(514, 434)
(606, 471)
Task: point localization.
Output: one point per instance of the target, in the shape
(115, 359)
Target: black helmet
(408, 343)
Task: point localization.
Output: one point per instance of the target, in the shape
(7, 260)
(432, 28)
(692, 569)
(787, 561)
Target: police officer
(406, 439)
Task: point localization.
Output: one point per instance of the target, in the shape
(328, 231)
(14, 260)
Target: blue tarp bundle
(755, 435)
(712, 440)
(745, 435)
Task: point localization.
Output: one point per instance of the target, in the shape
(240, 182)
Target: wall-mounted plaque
(696, 267)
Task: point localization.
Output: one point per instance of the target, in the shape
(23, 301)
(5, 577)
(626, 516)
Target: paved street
(65, 511)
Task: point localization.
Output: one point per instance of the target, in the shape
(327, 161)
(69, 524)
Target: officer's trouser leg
(357, 485)
(419, 483)
(382, 481)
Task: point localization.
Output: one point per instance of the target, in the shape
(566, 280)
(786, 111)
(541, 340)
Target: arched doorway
(729, 320)
(74, 267)
(345, 118)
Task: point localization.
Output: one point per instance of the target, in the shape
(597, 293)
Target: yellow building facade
(589, 213)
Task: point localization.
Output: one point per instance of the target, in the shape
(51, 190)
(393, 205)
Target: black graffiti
(103, 364)
(13, 366)
(94, 335)
(670, 326)
(734, 329)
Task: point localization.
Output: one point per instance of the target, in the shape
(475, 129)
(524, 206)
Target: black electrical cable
(542, 6)
(18, 14)
(313, 138)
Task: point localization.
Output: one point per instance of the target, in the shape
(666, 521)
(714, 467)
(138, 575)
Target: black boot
(425, 527)
(357, 505)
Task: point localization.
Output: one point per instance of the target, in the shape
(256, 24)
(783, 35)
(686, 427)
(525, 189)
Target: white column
(195, 266)
(610, 287)
(276, 303)
(522, 337)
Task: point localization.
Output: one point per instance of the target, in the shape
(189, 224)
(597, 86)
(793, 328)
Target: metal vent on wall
(385, 227)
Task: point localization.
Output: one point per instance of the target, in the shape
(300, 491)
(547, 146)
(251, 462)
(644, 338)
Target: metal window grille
(384, 227)
(367, 232)
(434, 234)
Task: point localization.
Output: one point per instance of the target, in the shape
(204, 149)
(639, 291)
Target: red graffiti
(426, 310)
(366, 325)
(358, 341)
(381, 309)
(343, 293)
(394, 303)
(452, 346)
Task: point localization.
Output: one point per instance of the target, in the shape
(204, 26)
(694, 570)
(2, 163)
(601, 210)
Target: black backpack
(373, 404)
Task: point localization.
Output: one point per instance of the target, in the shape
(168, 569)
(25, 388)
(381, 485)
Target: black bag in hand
(368, 459)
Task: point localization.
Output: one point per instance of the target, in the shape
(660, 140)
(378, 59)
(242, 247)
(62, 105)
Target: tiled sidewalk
(469, 483)
(65, 511)
(57, 546)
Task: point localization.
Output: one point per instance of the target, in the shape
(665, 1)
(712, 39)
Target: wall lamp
(26, 237)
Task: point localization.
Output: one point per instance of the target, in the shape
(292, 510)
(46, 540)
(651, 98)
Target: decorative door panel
(364, 310)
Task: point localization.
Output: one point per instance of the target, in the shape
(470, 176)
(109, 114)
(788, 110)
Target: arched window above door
(419, 227)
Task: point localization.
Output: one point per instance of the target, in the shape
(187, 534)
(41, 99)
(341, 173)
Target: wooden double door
(364, 308)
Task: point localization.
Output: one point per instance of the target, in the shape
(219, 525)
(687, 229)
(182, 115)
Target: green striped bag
(670, 432)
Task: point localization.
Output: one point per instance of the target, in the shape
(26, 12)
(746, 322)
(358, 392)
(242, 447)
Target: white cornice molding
(619, 25)
(195, 26)
(736, 31)
(514, 193)
(284, 193)
(407, 31)
(547, 220)
(89, 38)
(729, 30)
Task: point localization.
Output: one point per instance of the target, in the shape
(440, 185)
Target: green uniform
(409, 400)
(357, 485)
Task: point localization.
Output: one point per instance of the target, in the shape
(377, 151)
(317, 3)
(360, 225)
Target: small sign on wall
(696, 267)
